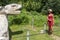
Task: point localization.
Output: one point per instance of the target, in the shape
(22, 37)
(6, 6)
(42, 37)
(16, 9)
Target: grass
(19, 33)
(56, 30)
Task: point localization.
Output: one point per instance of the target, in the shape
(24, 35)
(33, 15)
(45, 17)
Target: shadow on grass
(14, 33)
(17, 32)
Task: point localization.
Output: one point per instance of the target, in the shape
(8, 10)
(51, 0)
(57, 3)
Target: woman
(50, 21)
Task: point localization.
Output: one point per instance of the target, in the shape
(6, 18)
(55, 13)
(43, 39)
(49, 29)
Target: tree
(4, 2)
(53, 4)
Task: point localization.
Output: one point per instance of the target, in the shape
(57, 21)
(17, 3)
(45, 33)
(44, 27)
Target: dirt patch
(55, 37)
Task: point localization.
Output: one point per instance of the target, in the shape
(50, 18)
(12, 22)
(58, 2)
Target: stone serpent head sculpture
(8, 9)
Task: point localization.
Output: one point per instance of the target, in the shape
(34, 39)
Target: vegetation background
(33, 9)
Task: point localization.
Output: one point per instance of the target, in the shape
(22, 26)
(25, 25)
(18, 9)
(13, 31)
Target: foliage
(4, 2)
(33, 9)
(27, 18)
(36, 5)
(18, 19)
(54, 5)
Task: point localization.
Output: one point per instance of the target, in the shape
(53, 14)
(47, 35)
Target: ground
(19, 33)
(55, 37)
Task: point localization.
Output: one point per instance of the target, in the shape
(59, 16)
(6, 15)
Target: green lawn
(19, 33)
(56, 30)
